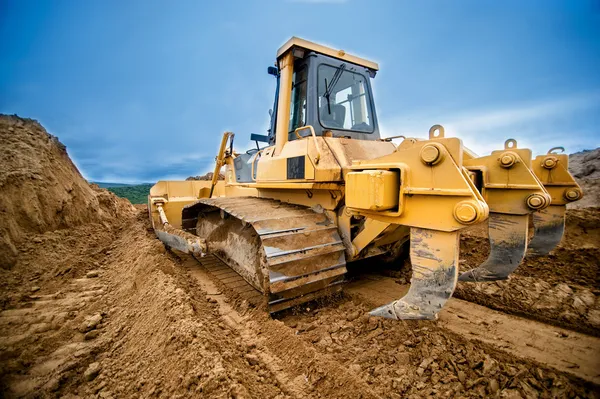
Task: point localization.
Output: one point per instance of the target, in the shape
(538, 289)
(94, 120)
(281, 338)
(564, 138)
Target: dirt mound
(208, 176)
(41, 189)
(123, 327)
(585, 167)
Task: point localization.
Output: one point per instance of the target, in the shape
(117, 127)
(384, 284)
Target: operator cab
(332, 96)
(320, 87)
(330, 91)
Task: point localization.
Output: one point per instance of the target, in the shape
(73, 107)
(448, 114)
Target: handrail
(312, 131)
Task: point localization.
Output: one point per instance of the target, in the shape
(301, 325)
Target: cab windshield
(344, 101)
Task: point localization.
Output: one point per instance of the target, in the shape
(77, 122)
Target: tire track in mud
(299, 368)
(385, 358)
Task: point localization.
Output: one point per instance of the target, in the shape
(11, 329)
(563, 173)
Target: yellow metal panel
(376, 190)
(273, 168)
(318, 48)
(175, 195)
(286, 71)
(372, 228)
(553, 172)
(326, 199)
(347, 150)
(436, 192)
(508, 182)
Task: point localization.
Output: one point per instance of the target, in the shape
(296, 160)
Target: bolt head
(430, 154)
(507, 160)
(536, 201)
(573, 194)
(465, 212)
(550, 162)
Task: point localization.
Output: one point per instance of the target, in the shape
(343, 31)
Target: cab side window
(298, 103)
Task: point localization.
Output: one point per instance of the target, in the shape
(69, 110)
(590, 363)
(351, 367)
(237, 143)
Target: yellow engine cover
(376, 190)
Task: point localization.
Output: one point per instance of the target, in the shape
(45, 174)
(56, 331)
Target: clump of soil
(41, 189)
(585, 167)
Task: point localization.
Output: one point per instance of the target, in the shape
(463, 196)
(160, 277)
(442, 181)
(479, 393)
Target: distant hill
(103, 184)
(135, 193)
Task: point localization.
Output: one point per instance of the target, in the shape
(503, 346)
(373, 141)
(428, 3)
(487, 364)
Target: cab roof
(317, 48)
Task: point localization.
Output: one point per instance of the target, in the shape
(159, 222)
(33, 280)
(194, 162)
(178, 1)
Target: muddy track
(397, 359)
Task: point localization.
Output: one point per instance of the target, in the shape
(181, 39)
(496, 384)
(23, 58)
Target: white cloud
(533, 124)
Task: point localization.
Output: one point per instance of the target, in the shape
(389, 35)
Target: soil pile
(41, 189)
(585, 167)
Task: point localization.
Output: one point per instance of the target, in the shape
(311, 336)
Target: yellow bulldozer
(326, 189)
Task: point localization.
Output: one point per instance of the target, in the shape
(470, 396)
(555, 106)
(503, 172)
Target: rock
(461, 376)
(562, 291)
(92, 371)
(488, 365)
(91, 335)
(579, 306)
(587, 297)
(252, 359)
(493, 386)
(90, 323)
(594, 317)
(425, 363)
(92, 274)
(353, 316)
(569, 316)
(35, 289)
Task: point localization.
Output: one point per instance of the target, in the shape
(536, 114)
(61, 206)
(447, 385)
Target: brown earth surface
(93, 305)
(562, 288)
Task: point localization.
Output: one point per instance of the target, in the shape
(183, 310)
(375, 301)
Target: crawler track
(289, 253)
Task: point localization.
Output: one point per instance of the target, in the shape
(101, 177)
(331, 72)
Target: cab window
(298, 104)
(344, 101)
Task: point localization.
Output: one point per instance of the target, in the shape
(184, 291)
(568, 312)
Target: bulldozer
(323, 189)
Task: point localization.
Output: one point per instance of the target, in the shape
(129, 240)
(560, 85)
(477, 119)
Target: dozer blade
(549, 226)
(434, 258)
(508, 244)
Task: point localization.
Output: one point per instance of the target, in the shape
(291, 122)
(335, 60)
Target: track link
(291, 254)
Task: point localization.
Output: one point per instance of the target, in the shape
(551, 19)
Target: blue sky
(142, 90)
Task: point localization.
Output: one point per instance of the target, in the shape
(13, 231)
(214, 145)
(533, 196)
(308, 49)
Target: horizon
(140, 91)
